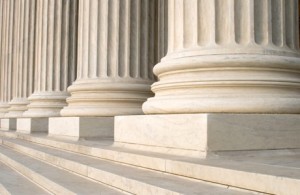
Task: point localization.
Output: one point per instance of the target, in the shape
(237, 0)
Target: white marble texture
(6, 37)
(55, 55)
(75, 128)
(32, 125)
(8, 124)
(229, 56)
(117, 49)
(200, 134)
(268, 172)
(23, 56)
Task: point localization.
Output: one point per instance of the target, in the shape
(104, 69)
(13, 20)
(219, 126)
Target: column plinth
(233, 56)
(116, 53)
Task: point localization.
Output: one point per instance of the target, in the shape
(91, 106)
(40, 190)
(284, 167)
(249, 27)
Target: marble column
(23, 56)
(2, 107)
(162, 29)
(116, 54)
(7, 22)
(54, 53)
(229, 56)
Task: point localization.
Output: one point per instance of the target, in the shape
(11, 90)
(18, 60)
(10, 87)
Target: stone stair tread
(70, 182)
(90, 147)
(262, 171)
(15, 183)
(97, 168)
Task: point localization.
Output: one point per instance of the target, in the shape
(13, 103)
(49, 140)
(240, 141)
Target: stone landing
(200, 134)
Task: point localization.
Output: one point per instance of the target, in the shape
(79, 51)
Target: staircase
(37, 164)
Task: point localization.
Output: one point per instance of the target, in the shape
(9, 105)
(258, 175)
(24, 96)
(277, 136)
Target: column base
(32, 125)
(198, 135)
(3, 109)
(46, 104)
(106, 97)
(74, 128)
(17, 107)
(8, 124)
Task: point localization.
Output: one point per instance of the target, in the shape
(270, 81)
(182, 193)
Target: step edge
(34, 177)
(4, 190)
(167, 162)
(63, 163)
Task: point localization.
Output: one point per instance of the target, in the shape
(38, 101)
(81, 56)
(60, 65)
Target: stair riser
(126, 158)
(35, 177)
(128, 185)
(252, 181)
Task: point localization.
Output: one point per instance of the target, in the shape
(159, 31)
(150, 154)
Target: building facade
(95, 58)
(176, 77)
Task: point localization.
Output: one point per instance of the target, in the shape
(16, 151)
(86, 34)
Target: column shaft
(6, 54)
(116, 53)
(233, 56)
(54, 50)
(23, 66)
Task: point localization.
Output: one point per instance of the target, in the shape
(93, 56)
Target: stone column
(229, 56)
(7, 22)
(116, 53)
(2, 104)
(54, 51)
(226, 59)
(23, 58)
(162, 28)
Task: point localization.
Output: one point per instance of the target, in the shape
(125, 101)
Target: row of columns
(95, 57)
(103, 50)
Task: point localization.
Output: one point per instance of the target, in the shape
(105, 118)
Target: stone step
(13, 182)
(54, 179)
(3, 190)
(259, 177)
(128, 178)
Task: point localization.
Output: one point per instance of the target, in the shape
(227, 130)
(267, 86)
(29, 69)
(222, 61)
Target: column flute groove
(53, 67)
(114, 57)
(23, 57)
(250, 65)
(6, 56)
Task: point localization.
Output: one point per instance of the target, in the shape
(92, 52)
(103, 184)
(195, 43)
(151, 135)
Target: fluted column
(116, 53)
(7, 22)
(2, 104)
(54, 67)
(162, 28)
(231, 56)
(23, 58)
